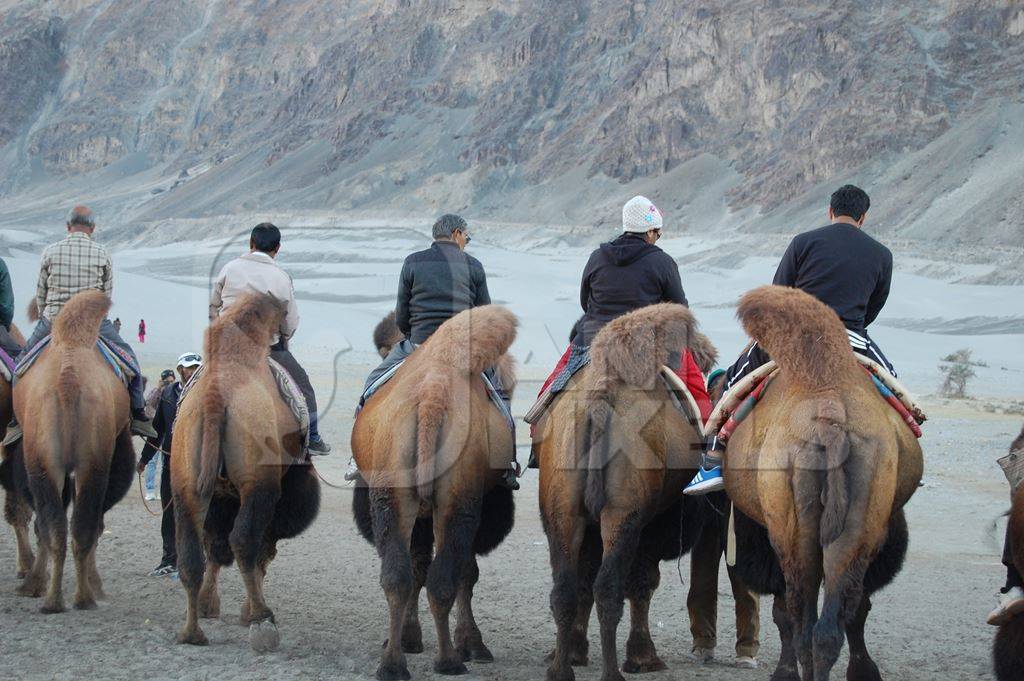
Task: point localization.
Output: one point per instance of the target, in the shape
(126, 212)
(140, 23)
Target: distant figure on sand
(142, 330)
(117, 325)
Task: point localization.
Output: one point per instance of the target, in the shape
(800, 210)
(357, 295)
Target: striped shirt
(77, 263)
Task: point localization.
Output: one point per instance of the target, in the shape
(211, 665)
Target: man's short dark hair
(850, 201)
(265, 237)
(447, 224)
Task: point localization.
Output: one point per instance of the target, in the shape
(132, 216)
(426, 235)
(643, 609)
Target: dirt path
(323, 587)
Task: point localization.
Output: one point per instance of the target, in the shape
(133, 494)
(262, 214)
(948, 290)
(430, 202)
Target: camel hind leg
(468, 640)
(255, 514)
(86, 526)
(191, 564)
(641, 655)
(455, 526)
(17, 510)
(393, 514)
(34, 584)
(620, 536)
(422, 553)
(52, 526)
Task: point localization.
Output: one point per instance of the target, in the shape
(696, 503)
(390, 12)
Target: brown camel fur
(432, 449)
(238, 478)
(1008, 650)
(74, 412)
(825, 465)
(17, 510)
(615, 454)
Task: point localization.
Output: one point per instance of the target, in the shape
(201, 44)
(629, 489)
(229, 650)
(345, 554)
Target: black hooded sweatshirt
(624, 275)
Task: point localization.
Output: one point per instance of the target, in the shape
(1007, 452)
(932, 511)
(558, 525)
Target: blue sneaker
(706, 481)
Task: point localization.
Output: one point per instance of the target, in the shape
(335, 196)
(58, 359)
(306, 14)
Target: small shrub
(957, 369)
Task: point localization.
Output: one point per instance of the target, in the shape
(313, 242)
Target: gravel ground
(323, 587)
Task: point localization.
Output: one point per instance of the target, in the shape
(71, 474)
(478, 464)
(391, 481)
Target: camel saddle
(120, 361)
(6, 366)
(286, 386)
(681, 395)
(737, 402)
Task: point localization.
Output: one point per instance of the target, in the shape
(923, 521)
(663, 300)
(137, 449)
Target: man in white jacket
(258, 271)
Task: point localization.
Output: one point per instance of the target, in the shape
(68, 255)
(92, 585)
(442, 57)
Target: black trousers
(1013, 577)
(167, 521)
(8, 344)
(280, 354)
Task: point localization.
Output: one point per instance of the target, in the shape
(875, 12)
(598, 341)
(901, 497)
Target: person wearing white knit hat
(640, 216)
(623, 275)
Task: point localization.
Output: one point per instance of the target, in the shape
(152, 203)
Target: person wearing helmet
(163, 423)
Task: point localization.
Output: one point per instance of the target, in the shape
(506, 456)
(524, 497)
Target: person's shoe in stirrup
(510, 478)
(13, 433)
(352, 474)
(141, 425)
(1011, 604)
(318, 447)
(707, 480)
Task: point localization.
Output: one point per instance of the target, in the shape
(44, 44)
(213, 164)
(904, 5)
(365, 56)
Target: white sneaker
(152, 496)
(702, 655)
(353, 471)
(746, 662)
(1011, 604)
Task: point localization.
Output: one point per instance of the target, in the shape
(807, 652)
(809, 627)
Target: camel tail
(829, 432)
(802, 334)
(430, 411)
(78, 323)
(596, 449)
(214, 414)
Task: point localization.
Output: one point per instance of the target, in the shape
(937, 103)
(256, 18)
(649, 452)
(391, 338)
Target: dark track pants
(284, 357)
(167, 521)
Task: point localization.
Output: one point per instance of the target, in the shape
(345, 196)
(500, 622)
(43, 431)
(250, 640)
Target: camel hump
(78, 322)
(804, 336)
(242, 333)
(474, 339)
(632, 348)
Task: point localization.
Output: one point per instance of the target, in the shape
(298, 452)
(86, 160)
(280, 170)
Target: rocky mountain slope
(730, 113)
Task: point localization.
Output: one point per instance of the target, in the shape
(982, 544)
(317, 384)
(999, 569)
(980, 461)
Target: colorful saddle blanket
(6, 366)
(737, 403)
(119, 360)
(579, 357)
(492, 393)
(286, 386)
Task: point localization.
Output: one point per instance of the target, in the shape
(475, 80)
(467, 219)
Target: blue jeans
(109, 333)
(151, 474)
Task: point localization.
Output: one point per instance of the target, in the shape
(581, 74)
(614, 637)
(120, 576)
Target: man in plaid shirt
(75, 264)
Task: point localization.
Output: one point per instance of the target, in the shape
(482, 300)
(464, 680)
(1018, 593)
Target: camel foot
(450, 667)
(393, 671)
(578, 656)
(31, 588)
(193, 637)
(612, 675)
(785, 674)
(862, 668)
(52, 606)
(82, 603)
(263, 636)
(473, 650)
(560, 674)
(644, 666)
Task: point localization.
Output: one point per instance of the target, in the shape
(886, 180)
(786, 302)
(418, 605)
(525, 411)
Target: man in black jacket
(435, 285)
(163, 423)
(843, 267)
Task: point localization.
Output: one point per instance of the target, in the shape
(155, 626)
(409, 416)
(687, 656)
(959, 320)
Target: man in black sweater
(163, 423)
(843, 267)
(435, 285)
